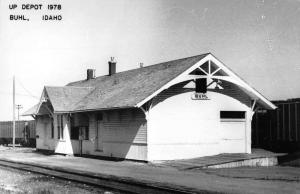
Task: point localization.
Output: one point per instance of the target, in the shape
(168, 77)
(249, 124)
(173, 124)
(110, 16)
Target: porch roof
(31, 111)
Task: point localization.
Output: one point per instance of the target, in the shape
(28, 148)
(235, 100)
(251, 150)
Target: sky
(257, 39)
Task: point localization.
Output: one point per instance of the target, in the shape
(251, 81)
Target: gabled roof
(135, 87)
(126, 89)
(64, 99)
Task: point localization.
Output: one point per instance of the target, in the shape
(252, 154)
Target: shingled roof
(120, 90)
(124, 89)
(64, 99)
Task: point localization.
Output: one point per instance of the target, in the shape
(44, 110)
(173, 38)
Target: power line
(26, 90)
(18, 94)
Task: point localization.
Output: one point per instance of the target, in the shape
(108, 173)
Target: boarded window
(201, 85)
(232, 114)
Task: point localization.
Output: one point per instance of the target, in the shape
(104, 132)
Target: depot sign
(199, 96)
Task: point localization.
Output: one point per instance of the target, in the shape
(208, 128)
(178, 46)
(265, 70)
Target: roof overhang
(232, 77)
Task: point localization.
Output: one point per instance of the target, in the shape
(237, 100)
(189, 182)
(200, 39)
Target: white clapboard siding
(125, 126)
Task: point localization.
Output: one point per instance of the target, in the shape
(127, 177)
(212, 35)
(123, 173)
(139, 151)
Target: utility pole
(14, 107)
(19, 106)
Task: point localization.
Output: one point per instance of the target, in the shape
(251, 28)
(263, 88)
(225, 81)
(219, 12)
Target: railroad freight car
(279, 129)
(25, 133)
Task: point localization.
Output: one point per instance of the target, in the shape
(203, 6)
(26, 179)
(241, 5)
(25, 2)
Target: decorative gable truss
(214, 71)
(207, 70)
(45, 104)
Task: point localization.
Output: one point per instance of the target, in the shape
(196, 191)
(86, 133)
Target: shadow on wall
(113, 133)
(229, 89)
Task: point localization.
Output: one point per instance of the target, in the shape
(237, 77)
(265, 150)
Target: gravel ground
(16, 181)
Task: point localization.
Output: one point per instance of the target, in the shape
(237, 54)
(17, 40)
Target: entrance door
(99, 135)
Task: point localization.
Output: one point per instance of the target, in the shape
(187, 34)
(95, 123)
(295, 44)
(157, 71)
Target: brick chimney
(112, 66)
(90, 74)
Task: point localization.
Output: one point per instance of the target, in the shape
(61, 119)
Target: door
(233, 136)
(99, 136)
(81, 138)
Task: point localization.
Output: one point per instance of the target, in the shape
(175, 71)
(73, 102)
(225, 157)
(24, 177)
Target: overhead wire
(29, 94)
(26, 90)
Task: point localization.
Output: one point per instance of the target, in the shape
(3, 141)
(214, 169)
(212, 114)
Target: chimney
(141, 65)
(112, 66)
(90, 74)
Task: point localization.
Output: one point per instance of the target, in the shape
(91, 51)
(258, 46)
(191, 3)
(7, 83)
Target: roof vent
(90, 74)
(112, 66)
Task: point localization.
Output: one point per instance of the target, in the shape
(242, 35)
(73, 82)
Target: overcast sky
(259, 40)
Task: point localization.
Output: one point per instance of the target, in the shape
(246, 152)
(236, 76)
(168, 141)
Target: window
(99, 117)
(79, 127)
(74, 132)
(83, 133)
(60, 127)
(74, 129)
(232, 114)
(52, 128)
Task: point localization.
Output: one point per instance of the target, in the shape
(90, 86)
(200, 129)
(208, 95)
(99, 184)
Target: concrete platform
(151, 178)
(258, 157)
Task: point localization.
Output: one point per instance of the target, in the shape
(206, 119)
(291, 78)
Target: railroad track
(126, 185)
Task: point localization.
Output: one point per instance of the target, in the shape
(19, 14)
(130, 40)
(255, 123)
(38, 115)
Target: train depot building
(179, 109)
